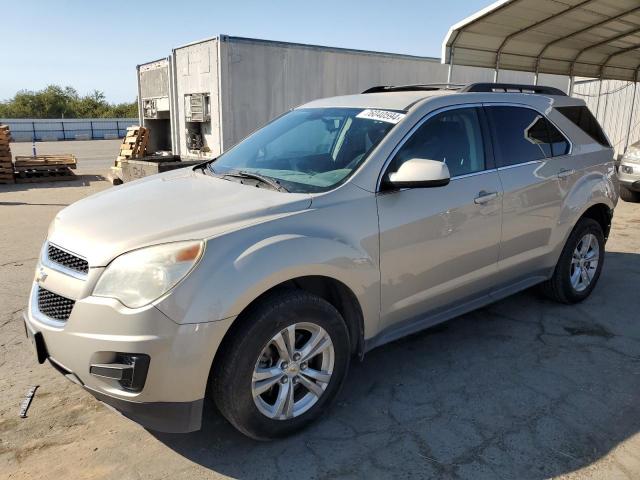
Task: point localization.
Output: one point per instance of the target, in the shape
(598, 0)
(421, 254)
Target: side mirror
(420, 173)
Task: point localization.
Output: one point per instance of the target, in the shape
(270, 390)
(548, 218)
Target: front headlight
(139, 277)
(632, 155)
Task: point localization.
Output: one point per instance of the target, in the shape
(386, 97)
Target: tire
(560, 286)
(251, 346)
(629, 195)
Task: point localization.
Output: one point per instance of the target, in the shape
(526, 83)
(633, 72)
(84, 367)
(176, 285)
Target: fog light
(129, 369)
(626, 169)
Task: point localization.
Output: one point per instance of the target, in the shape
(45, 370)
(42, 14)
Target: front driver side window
(453, 137)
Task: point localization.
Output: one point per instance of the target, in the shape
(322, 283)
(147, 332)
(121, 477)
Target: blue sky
(96, 45)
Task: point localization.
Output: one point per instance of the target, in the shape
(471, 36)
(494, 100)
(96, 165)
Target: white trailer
(223, 88)
(155, 103)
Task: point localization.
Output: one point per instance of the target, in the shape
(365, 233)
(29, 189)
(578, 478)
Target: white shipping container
(223, 88)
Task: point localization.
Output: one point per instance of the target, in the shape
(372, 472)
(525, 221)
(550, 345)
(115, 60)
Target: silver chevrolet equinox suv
(253, 279)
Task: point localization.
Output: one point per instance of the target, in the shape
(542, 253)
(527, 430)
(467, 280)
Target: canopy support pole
(633, 104)
(599, 97)
(572, 82)
(450, 72)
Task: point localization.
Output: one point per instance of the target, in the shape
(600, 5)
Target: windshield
(310, 150)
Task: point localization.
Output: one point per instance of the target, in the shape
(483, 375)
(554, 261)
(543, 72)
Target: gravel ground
(524, 388)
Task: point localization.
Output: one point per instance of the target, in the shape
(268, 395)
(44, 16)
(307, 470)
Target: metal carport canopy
(586, 38)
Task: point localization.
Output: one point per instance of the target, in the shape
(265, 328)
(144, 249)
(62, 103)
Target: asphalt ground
(522, 389)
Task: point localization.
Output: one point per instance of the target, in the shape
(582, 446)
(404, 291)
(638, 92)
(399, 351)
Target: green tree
(58, 102)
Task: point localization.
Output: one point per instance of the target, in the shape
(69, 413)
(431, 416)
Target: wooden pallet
(44, 168)
(67, 160)
(7, 175)
(134, 144)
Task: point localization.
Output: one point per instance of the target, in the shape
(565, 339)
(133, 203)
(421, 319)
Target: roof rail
(511, 88)
(413, 88)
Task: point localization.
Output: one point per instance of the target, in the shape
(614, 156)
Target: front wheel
(580, 264)
(284, 363)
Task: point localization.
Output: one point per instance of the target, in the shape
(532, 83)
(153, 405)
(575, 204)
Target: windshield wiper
(205, 166)
(275, 184)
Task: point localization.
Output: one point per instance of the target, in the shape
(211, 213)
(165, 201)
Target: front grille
(66, 259)
(53, 305)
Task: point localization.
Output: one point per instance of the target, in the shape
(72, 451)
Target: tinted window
(537, 134)
(582, 117)
(559, 144)
(524, 135)
(544, 134)
(453, 137)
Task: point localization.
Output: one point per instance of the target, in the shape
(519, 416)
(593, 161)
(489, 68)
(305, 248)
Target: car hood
(178, 205)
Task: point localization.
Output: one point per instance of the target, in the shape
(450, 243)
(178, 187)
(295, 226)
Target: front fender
(339, 241)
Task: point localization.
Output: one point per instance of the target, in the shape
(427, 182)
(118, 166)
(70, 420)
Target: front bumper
(629, 175)
(172, 397)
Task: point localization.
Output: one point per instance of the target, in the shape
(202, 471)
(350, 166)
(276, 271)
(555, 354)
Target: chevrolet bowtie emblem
(42, 275)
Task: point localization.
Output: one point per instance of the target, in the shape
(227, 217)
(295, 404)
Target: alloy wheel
(584, 262)
(293, 371)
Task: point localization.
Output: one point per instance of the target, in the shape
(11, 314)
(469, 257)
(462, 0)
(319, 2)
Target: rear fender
(592, 188)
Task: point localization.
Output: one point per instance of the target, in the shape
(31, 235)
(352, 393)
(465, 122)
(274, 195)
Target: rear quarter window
(582, 117)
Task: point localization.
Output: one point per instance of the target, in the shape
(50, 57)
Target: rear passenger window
(523, 135)
(584, 119)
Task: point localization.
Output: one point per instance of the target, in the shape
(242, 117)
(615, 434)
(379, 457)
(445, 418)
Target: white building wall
(264, 79)
(261, 80)
(615, 109)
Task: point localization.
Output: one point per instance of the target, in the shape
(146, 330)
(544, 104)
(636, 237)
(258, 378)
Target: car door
(528, 150)
(439, 246)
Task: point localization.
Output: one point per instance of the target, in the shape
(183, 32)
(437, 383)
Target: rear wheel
(629, 195)
(284, 364)
(580, 264)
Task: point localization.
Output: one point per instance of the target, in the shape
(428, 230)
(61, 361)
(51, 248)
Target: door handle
(566, 172)
(484, 197)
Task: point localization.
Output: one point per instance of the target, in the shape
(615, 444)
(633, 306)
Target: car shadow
(78, 180)
(524, 388)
